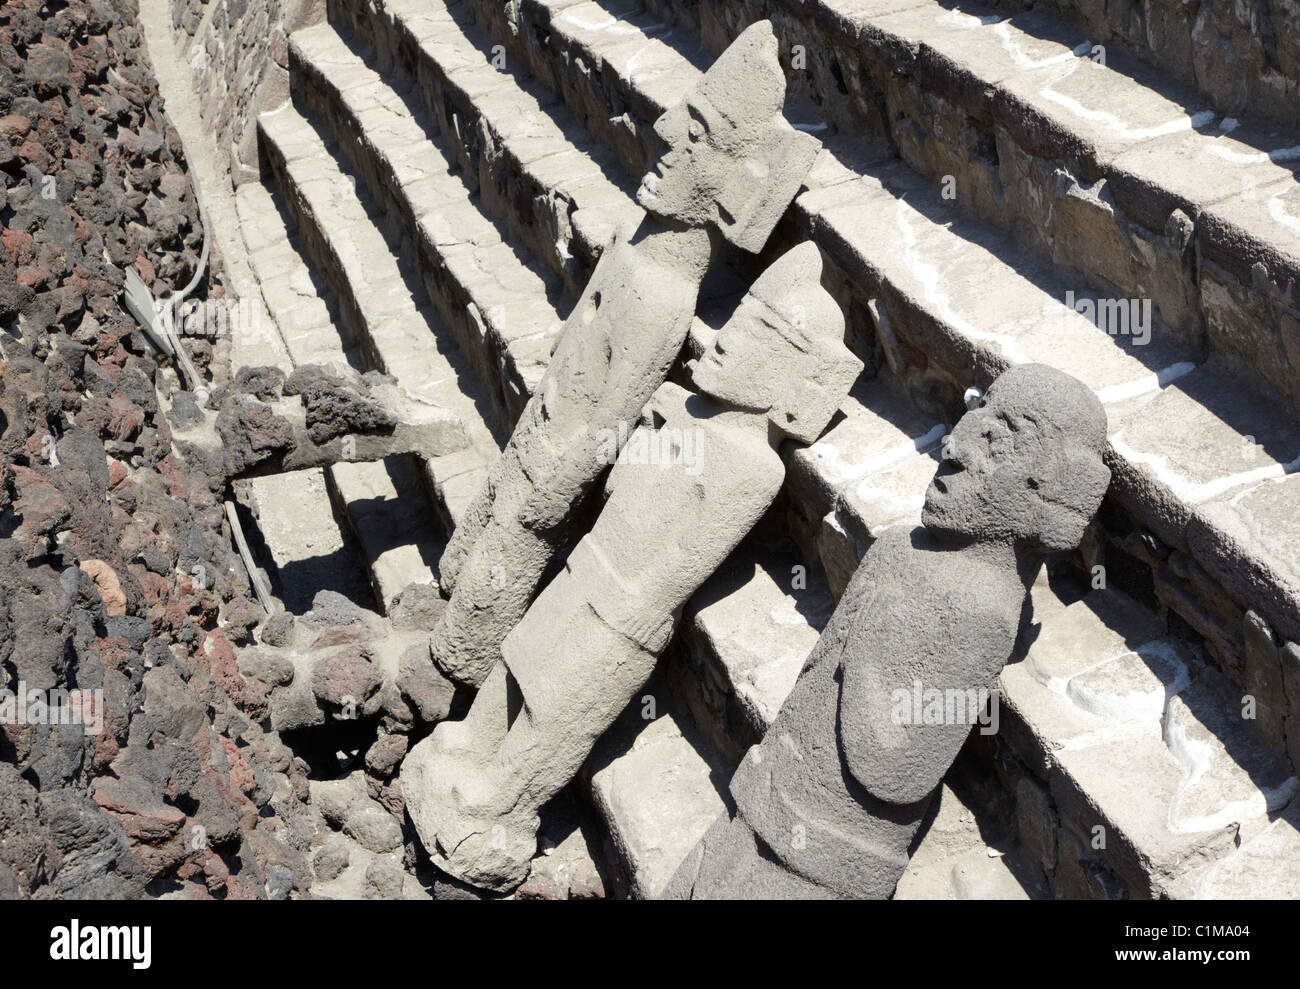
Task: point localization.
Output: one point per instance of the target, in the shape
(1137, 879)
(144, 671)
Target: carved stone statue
(731, 167)
(688, 485)
(828, 804)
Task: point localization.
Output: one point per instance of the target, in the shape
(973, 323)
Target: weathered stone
(273, 670)
(701, 462)
(332, 608)
(383, 881)
(820, 812)
(338, 416)
(1263, 867)
(330, 860)
(421, 683)
(278, 630)
(644, 290)
(368, 823)
(383, 757)
(347, 677)
(419, 607)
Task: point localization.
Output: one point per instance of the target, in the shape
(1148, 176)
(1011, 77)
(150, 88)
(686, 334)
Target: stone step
(1132, 769)
(500, 304)
(941, 290)
(742, 639)
(390, 512)
(1239, 58)
(1143, 757)
(310, 543)
(394, 328)
(400, 541)
(1130, 183)
(533, 166)
(656, 784)
(962, 856)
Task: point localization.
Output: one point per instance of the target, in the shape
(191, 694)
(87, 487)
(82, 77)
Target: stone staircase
(450, 173)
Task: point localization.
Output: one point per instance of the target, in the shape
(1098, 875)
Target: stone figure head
(782, 352)
(732, 160)
(1025, 465)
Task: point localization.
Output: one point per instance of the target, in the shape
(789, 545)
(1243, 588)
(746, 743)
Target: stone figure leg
(731, 862)
(474, 739)
(548, 741)
(495, 585)
(479, 784)
(504, 489)
(468, 529)
(468, 843)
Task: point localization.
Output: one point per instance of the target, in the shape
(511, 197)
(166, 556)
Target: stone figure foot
(466, 820)
(457, 815)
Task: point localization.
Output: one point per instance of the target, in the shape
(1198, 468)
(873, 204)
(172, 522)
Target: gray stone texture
(687, 486)
(828, 803)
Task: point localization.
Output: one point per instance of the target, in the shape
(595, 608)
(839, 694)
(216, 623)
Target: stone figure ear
(1068, 497)
(750, 206)
(804, 416)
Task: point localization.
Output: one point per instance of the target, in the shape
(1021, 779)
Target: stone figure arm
(907, 704)
(555, 497)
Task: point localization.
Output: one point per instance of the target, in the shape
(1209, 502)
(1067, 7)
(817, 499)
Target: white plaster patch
(1194, 493)
(1122, 128)
(931, 278)
(1147, 383)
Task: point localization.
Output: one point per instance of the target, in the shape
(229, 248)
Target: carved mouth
(664, 164)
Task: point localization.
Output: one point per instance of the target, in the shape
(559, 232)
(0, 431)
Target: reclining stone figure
(687, 487)
(731, 167)
(828, 803)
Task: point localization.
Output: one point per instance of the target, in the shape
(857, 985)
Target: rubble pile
(121, 598)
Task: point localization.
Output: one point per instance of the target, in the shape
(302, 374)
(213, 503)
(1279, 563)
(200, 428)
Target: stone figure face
(719, 137)
(782, 351)
(1025, 466)
(688, 178)
(755, 358)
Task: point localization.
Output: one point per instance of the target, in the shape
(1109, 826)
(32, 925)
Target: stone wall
(121, 598)
(239, 56)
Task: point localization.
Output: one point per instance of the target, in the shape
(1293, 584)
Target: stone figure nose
(671, 127)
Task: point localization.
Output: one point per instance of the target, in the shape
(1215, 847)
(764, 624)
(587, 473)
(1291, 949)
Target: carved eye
(695, 130)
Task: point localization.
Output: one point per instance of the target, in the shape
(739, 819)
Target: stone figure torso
(666, 525)
(599, 375)
(837, 788)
